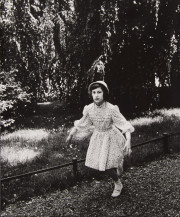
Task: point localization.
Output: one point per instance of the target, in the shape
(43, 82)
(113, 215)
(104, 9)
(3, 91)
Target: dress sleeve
(84, 127)
(84, 123)
(120, 122)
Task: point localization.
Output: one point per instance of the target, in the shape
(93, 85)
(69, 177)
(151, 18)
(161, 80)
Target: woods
(52, 50)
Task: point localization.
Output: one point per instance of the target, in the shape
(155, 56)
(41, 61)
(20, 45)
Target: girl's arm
(127, 147)
(120, 121)
(128, 135)
(80, 125)
(69, 138)
(125, 126)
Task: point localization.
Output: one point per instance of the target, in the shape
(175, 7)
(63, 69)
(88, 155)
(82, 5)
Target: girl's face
(97, 95)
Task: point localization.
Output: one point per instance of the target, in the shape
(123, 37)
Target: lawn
(39, 142)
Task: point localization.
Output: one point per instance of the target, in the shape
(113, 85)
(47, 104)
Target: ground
(150, 189)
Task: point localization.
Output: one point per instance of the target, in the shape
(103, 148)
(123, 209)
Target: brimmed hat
(99, 82)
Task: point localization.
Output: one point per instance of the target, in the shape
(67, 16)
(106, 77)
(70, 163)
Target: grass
(39, 142)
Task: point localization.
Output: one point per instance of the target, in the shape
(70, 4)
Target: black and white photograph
(90, 108)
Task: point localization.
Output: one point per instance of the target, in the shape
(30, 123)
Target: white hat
(99, 82)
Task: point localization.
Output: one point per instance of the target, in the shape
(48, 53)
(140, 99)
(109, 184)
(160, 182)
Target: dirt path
(149, 190)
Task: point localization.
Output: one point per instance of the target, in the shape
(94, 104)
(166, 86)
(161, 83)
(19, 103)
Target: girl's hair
(105, 92)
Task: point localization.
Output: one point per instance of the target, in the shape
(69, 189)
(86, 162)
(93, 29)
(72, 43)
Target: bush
(15, 101)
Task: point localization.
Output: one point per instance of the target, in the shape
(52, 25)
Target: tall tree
(55, 48)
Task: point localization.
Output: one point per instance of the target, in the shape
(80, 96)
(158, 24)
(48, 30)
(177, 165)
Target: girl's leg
(96, 174)
(113, 174)
(117, 183)
(120, 168)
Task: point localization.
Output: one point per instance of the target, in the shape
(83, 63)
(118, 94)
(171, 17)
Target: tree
(55, 48)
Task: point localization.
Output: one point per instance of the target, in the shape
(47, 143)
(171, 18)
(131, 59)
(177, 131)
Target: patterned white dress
(106, 144)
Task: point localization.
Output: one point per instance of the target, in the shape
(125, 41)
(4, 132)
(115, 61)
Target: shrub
(15, 100)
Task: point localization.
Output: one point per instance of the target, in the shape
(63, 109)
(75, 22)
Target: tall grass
(29, 149)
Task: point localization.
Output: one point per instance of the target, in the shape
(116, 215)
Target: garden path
(151, 189)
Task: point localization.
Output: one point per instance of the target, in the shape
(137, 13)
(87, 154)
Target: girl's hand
(127, 147)
(72, 132)
(69, 138)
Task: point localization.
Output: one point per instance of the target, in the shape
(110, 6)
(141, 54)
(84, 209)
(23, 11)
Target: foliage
(55, 46)
(14, 101)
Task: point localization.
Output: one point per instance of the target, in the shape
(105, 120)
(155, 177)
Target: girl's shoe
(117, 189)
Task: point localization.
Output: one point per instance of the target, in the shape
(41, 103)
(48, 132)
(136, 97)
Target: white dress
(106, 144)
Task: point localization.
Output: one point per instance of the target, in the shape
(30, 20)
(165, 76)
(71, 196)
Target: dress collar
(100, 106)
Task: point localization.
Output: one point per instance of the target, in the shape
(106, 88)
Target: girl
(107, 145)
